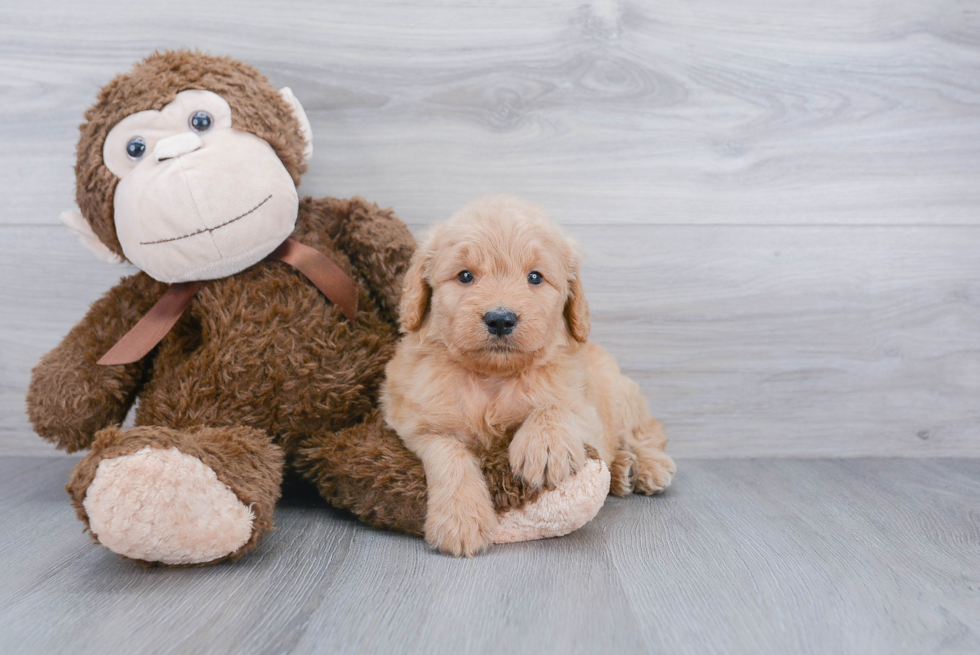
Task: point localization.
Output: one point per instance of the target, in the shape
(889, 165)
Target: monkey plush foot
(161, 505)
(557, 511)
(170, 497)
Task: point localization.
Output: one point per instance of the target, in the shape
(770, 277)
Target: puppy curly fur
(454, 388)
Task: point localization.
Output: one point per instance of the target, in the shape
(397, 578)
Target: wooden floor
(740, 556)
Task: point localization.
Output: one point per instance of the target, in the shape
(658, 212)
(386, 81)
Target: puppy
(496, 339)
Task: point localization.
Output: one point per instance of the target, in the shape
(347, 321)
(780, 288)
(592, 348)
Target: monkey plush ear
(304, 122)
(78, 226)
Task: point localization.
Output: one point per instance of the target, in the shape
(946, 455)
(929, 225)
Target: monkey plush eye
(465, 277)
(200, 121)
(136, 148)
(535, 278)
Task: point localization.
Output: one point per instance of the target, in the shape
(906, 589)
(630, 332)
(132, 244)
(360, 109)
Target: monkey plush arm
(377, 242)
(71, 397)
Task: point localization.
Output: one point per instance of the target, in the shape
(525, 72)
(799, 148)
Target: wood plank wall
(778, 201)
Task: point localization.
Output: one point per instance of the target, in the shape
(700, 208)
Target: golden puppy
(496, 337)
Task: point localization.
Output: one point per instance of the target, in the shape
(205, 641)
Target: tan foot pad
(559, 511)
(164, 506)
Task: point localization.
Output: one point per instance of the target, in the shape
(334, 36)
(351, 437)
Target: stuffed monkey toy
(253, 339)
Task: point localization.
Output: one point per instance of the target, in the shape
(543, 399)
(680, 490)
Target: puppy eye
(535, 278)
(200, 121)
(465, 277)
(136, 148)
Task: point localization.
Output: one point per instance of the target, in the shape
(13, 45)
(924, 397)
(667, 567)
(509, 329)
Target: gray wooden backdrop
(779, 202)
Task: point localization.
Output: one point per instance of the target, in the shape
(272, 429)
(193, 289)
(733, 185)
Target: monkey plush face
(188, 167)
(196, 199)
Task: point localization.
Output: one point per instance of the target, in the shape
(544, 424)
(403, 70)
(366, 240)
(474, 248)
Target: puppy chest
(492, 408)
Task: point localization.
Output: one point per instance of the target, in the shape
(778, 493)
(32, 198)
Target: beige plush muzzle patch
(196, 199)
(207, 213)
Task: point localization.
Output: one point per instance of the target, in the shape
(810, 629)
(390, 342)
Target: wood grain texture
(747, 340)
(740, 556)
(779, 203)
(607, 112)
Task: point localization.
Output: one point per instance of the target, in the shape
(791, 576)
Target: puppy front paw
(461, 529)
(545, 456)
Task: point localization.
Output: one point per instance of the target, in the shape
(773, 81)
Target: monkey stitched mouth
(208, 229)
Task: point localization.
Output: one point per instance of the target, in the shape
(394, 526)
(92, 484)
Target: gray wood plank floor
(740, 556)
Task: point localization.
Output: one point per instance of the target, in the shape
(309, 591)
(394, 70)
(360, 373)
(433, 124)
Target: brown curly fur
(260, 359)
(263, 349)
(366, 469)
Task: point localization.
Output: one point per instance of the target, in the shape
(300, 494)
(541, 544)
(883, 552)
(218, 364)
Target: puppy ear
(577, 308)
(416, 293)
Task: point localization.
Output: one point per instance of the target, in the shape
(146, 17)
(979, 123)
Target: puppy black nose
(500, 321)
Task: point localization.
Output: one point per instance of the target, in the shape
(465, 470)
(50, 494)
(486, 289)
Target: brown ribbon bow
(336, 285)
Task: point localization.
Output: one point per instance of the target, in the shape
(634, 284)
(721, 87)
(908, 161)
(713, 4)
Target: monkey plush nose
(500, 321)
(177, 145)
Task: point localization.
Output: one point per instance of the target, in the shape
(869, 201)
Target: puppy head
(498, 284)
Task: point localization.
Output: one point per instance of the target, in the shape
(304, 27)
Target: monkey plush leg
(176, 497)
(368, 470)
